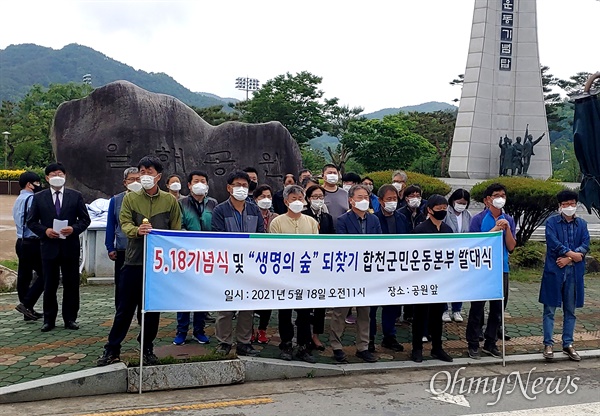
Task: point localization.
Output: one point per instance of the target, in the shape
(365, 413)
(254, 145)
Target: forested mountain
(24, 65)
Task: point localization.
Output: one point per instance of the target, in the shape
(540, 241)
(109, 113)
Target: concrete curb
(186, 375)
(117, 378)
(90, 382)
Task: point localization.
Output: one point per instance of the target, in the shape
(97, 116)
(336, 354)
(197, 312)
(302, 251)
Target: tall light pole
(247, 84)
(6, 134)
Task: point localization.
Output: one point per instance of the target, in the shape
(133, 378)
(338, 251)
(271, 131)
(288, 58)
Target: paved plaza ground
(28, 354)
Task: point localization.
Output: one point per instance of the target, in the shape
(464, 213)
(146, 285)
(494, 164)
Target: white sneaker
(446, 317)
(457, 317)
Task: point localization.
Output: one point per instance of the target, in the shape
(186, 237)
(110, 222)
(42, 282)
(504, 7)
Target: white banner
(202, 271)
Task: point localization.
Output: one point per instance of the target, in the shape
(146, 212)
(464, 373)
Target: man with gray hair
(115, 240)
(294, 222)
(356, 221)
(399, 179)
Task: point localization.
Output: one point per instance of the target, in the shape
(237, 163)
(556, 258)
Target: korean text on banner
(200, 271)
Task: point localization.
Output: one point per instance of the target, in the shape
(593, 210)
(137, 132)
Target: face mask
(414, 202)
(199, 188)
(362, 205)
(147, 181)
(240, 193)
(439, 215)
(370, 188)
(36, 188)
(390, 206)
(317, 203)
(398, 186)
(332, 178)
(134, 186)
(499, 203)
(253, 185)
(296, 206)
(569, 211)
(175, 187)
(459, 207)
(346, 187)
(56, 181)
(265, 203)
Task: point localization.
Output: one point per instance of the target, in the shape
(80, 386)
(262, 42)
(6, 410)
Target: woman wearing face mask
(174, 186)
(263, 197)
(458, 219)
(315, 196)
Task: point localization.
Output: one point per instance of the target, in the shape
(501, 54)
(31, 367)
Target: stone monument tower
(502, 93)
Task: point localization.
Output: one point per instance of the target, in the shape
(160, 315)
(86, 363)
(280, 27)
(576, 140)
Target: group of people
(302, 206)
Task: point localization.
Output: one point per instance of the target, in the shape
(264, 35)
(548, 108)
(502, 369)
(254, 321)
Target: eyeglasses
(54, 174)
(238, 184)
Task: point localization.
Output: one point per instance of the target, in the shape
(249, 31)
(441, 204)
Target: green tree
(438, 128)
(293, 100)
(385, 144)
(215, 115)
(312, 159)
(30, 119)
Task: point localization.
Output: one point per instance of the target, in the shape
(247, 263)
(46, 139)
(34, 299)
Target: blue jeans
(568, 306)
(456, 306)
(183, 322)
(389, 313)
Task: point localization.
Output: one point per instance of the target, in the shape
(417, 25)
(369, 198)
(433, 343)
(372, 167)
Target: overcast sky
(373, 54)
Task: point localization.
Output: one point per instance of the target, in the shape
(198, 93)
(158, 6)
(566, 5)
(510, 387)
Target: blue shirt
(19, 212)
(485, 221)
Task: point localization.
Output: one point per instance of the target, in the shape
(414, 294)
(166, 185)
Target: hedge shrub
(10, 175)
(429, 184)
(529, 201)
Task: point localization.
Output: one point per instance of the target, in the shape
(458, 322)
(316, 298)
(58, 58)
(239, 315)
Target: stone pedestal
(502, 91)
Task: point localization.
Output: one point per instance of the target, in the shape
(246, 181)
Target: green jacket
(192, 220)
(163, 212)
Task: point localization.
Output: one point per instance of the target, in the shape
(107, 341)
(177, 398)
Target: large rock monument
(502, 96)
(99, 136)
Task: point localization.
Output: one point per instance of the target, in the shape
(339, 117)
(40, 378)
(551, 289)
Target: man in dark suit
(356, 221)
(392, 222)
(60, 250)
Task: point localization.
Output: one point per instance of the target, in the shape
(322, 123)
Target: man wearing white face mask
(60, 250)
(493, 218)
(399, 179)
(294, 222)
(237, 216)
(567, 243)
(356, 221)
(115, 239)
(412, 211)
(196, 215)
(392, 222)
(336, 198)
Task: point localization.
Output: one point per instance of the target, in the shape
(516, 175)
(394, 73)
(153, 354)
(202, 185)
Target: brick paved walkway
(28, 354)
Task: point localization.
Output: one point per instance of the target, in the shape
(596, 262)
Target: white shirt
(60, 196)
(459, 221)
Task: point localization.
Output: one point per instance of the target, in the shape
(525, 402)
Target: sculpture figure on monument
(528, 145)
(506, 156)
(517, 161)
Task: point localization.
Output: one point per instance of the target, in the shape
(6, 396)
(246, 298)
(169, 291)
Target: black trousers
(130, 298)
(319, 321)
(430, 313)
(118, 266)
(476, 317)
(52, 269)
(264, 318)
(30, 260)
(286, 327)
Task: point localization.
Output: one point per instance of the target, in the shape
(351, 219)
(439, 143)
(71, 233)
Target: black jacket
(41, 217)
